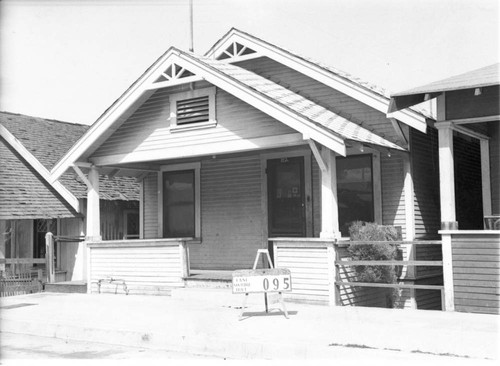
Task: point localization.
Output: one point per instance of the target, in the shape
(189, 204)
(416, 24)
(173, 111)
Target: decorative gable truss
(173, 75)
(237, 52)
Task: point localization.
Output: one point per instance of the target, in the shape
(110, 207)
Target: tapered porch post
(446, 177)
(329, 201)
(448, 215)
(93, 218)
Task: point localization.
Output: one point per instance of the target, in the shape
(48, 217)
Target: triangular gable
(336, 79)
(177, 67)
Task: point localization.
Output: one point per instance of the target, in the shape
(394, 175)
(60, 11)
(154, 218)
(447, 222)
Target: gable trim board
(40, 169)
(317, 72)
(219, 74)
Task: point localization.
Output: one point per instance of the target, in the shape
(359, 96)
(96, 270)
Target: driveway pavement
(212, 326)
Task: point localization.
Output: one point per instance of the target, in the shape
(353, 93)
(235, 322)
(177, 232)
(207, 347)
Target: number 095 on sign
(271, 280)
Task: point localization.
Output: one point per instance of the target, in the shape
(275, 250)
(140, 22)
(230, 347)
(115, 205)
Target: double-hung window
(192, 109)
(355, 190)
(180, 201)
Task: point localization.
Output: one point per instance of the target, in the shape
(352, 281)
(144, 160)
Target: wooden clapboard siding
(428, 299)
(429, 252)
(468, 190)
(232, 226)
(147, 130)
(393, 196)
(476, 272)
(309, 269)
(320, 93)
(150, 270)
(494, 133)
(425, 171)
(151, 206)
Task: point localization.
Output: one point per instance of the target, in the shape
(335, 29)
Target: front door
(286, 197)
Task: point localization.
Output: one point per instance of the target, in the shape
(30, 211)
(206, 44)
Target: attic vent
(192, 110)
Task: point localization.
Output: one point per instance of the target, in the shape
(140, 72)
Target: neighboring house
(247, 144)
(31, 205)
(468, 148)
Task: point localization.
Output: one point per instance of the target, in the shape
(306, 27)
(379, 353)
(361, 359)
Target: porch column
(329, 201)
(485, 176)
(93, 218)
(446, 177)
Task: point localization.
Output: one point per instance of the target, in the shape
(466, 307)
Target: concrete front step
(74, 287)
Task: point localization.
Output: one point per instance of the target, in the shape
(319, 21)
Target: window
(355, 190)
(180, 201)
(192, 109)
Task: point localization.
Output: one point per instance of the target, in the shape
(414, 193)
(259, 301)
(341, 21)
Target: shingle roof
(300, 105)
(24, 194)
(485, 76)
(334, 71)
(49, 140)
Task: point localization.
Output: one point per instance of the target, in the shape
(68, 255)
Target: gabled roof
(482, 77)
(24, 193)
(310, 119)
(346, 83)
(338, 125)
(47, 141)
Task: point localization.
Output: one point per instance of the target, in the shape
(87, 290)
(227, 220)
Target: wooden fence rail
(416, 263)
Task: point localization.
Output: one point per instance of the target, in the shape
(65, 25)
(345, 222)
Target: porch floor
(209, 279)
(210, 275)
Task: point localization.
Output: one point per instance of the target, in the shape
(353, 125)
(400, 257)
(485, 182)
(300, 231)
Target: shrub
(361, 231)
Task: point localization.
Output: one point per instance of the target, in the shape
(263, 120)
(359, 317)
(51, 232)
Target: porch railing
(316, 266)
(397, 286)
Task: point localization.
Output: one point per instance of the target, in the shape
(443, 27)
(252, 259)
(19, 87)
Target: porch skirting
(146, 267)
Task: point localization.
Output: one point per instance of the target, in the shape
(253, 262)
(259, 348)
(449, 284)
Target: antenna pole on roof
(191, 47)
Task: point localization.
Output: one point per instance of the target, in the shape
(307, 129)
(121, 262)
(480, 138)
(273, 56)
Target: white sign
(262, 280)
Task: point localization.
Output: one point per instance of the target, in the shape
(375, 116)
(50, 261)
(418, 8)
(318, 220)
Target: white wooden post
(449, 291)
(485, 176)
(334, 298)
(329, 201)
(447, 177)
(93, 216)
(184, 253)
(49, 257)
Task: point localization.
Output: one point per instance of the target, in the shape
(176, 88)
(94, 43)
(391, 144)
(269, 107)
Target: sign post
(262, 281)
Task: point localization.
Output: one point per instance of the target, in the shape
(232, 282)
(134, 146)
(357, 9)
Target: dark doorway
(286, 197)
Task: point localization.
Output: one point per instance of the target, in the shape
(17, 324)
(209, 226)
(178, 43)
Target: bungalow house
(468, 139)
(31, 205)
(248, 147)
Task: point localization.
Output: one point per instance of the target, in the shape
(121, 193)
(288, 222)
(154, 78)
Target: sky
(70, 60)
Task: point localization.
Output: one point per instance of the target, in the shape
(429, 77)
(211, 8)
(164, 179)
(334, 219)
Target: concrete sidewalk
(212, 327)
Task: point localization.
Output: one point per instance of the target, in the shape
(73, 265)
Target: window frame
(196, 167)
(174, 98)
